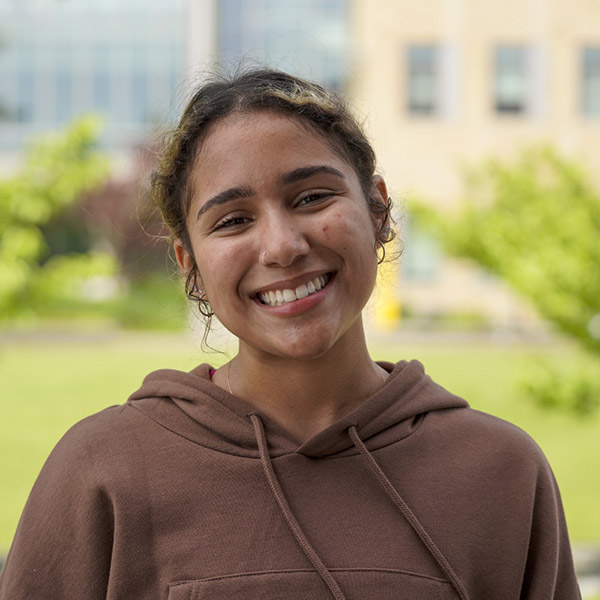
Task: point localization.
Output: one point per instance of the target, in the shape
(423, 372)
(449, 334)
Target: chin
(305, 347)
(305, 342)
(300, 351)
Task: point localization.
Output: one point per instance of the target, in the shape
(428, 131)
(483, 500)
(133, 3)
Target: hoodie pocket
(357, 584)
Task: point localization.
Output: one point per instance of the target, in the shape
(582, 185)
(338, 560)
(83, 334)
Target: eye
(231, 222)
(314, 198)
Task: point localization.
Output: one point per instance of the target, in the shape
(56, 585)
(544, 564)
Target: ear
(379, 195)
(185, 260)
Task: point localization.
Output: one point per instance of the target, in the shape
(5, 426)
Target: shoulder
(100, 445)
(70, 514)
(101, 427)
(486, 439)
(483, 424)
(498, 431)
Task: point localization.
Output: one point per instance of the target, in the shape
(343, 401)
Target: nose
(282, 241)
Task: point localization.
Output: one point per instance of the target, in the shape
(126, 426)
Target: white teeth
(301, 291)
(279, 297)
(289, 296)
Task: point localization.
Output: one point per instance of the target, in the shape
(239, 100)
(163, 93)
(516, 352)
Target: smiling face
(281, 234)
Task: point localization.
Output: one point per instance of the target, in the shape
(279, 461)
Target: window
(512, 83)
(64, 86)
(422, 255)
(26, 87)
(423, 80)
(101, 90)
(139, 92)
(591, 81)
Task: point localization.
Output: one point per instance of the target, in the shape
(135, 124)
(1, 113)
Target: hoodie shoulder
(102, 427)
(492, 440)
(102, 445)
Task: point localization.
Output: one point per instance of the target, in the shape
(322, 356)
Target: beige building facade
(445, 84)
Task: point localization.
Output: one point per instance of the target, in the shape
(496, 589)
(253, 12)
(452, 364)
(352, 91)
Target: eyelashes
(232, 222)
(314, 198)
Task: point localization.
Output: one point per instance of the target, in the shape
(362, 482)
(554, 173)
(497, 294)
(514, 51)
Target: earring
(193, 292)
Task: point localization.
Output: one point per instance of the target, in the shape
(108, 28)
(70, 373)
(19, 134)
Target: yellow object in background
(387, 312)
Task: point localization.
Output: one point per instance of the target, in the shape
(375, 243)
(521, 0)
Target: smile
(281, 297)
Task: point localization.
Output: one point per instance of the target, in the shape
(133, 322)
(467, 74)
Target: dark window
(511, 80)
(591, 81)
(422, 256)
(423, 80)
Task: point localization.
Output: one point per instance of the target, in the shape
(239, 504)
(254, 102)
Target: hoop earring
(193, 292)
(380, 251)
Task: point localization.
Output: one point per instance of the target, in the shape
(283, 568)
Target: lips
(285, 296)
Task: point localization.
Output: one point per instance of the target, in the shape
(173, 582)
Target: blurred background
(485, 116)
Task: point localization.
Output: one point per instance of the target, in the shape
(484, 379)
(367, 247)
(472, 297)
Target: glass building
(130, 60)
(61, 58)
(309, 38)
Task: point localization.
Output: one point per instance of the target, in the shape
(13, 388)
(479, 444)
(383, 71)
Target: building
(446, 83)
(60, 58)
(133, 60)
(307, 37)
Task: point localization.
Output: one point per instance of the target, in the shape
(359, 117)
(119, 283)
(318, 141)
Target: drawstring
(408, 514)
(376, 471)
(265, 460)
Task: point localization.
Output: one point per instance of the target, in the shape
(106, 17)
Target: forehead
(263, 135)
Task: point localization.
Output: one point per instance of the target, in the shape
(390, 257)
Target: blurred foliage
(153, 302)
(535, 223)
(57, 170)
(578, 392)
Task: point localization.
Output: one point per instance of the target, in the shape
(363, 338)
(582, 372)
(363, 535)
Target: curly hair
(316, 108)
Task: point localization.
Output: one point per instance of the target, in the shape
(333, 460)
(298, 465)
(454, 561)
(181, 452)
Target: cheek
(356, 227)
(220, 269)
(350, 232)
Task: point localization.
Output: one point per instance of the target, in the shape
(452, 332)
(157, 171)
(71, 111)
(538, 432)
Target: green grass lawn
(48, 384)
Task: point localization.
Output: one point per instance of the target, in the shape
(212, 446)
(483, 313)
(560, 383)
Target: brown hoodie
(187, 493)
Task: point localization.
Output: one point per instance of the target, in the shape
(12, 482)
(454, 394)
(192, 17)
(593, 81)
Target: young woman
(301, 468)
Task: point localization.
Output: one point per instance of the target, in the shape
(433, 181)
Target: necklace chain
(379, 370)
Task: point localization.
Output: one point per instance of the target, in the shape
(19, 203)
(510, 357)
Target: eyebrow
(306, 172)
(294, 176)
(225, 196)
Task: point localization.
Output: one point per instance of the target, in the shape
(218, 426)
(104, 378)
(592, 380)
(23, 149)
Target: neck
(305, 396)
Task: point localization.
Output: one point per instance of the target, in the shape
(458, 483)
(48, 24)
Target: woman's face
(282, 235)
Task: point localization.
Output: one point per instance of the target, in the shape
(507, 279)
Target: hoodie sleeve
(62, 547)
(549, 573)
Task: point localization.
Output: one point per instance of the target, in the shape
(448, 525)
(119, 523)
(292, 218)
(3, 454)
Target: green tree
(57, 170)
(535, 223)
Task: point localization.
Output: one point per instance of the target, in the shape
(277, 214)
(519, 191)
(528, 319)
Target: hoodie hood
(191, 406)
